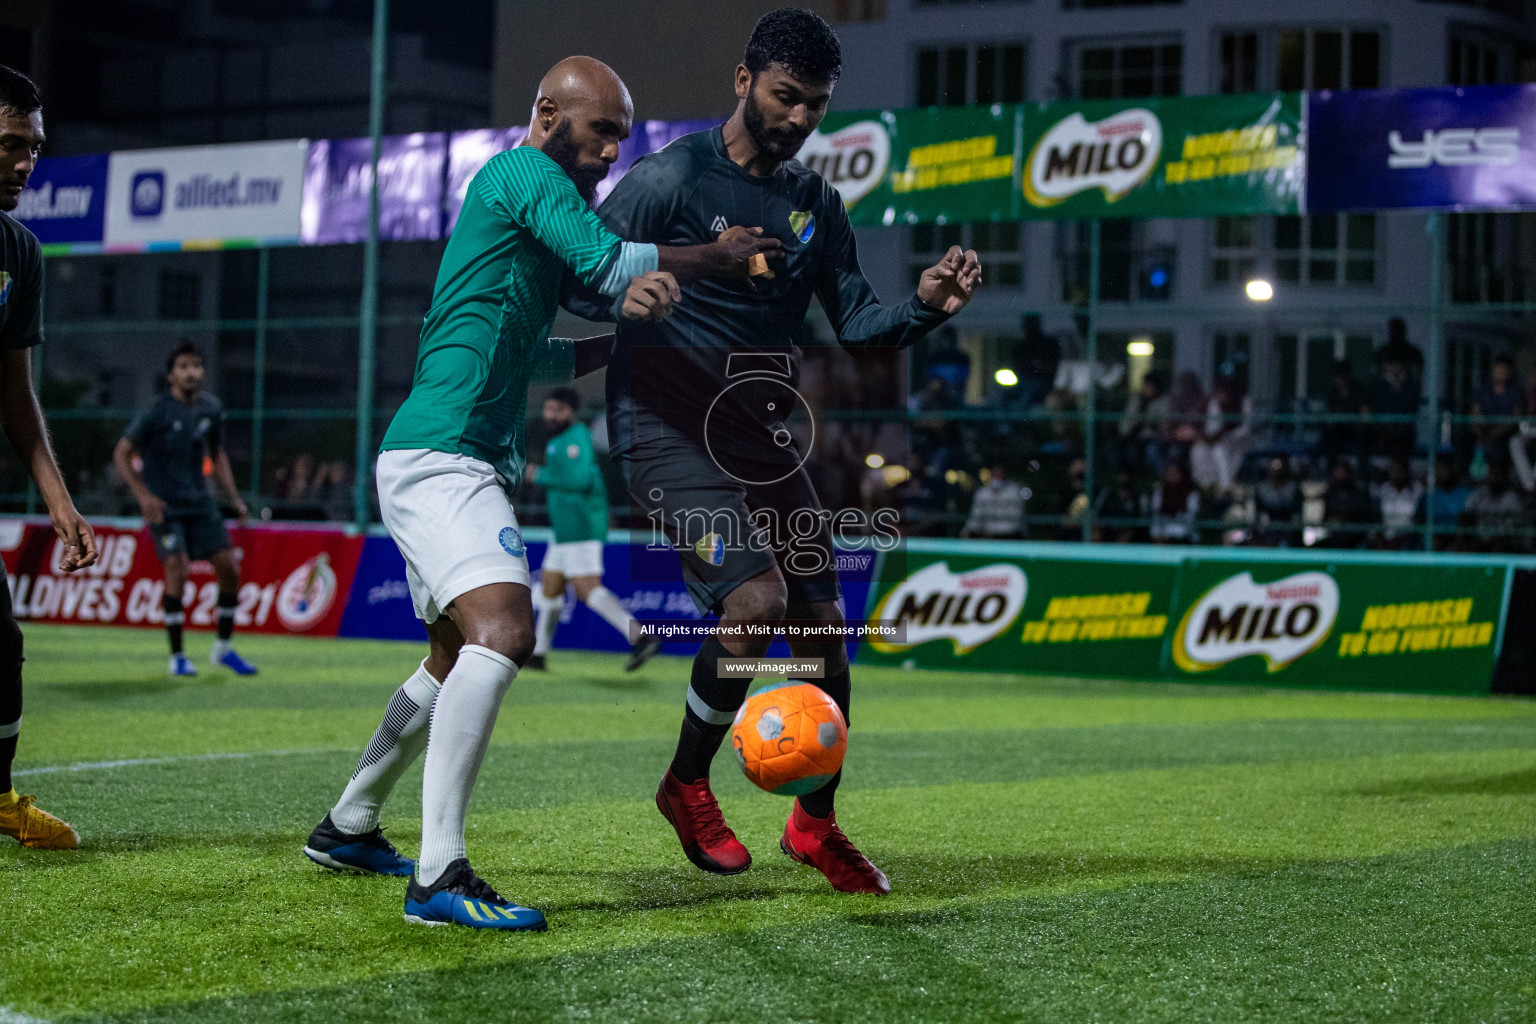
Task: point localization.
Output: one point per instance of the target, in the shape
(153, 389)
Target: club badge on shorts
(512, 542)
(711, 548)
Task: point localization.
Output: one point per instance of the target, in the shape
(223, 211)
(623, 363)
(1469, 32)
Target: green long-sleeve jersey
(486, 337)
(573, 484)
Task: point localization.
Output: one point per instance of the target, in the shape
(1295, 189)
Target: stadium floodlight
(874, 460)
(1141, 347)
(1006, 377)
(1260, 290)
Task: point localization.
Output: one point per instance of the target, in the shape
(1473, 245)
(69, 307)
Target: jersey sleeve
(530, 190)
(850, 301)
(568, 461)
(138, 428)
(640, 208)
(24, 327)
(216, 428)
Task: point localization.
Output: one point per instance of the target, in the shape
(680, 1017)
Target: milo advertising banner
(1336, 621)
(1196, 156)
(919, 166)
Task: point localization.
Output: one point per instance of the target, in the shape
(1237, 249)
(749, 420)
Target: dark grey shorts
(727, 530)
(196, 534)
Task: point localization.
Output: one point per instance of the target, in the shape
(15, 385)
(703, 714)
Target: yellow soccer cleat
(32, 826)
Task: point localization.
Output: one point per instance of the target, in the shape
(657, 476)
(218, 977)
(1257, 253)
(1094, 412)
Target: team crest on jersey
(803, 224)
(711, 548)
(512, 542)
(5, 286)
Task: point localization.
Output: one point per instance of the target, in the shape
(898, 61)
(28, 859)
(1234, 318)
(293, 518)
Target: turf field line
(91, 766)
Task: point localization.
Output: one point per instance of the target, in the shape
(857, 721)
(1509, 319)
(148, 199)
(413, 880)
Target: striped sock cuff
(175, 618)
(712, 716)
(10, 729)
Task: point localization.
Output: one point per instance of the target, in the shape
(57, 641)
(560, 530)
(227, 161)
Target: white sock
(547, 613)
(396, 743)
(462, 720)
(606, 603)
(219, 649)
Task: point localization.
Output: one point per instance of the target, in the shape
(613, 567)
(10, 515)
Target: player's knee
(511, 640)
(758, 602)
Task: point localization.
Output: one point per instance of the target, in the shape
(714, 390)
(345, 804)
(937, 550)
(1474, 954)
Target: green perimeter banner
(920, 166)
(1196, 156)
(1341, 623)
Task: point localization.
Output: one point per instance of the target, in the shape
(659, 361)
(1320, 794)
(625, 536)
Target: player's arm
(122, 460)
(853, 307)
(23, 422)
(223, 471)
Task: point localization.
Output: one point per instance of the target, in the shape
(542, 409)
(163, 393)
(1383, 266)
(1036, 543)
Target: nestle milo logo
(1279, 621)
(1116, 154)
(967, 608)
(854, 159)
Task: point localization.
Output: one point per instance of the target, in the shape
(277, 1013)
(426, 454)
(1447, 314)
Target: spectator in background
(1399, 500)
(1075, 504)
(1497, 513)
(1141, 427)
(1450, 501)
(1346, 508)
(1175, 506)
(1036, 357)
(1121, 501)
(1187, 404)
(1499, 398)
(1218, 454)
(997, 510)
(1396, 394)
(1343, 436)
(1277, 507)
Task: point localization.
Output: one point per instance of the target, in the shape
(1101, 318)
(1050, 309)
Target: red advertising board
(291, 580)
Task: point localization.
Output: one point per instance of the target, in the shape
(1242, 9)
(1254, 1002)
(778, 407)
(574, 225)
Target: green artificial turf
(1059, 850)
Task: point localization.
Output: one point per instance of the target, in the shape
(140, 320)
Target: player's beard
(560, 148)
(779, 143)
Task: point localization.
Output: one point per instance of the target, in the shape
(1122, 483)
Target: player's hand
(79, 540)
(242, 514)
(650, 296)
(950, 283)
(738, 245)
(153, 509)
(532, 473)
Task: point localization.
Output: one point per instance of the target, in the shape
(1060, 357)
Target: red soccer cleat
(821, 844)
(707, 840)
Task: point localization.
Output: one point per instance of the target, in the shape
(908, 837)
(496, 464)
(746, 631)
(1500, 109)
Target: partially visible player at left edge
(21, 327)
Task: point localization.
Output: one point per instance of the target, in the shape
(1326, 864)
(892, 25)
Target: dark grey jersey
(21, 285)
(728, 353)
(173, 438)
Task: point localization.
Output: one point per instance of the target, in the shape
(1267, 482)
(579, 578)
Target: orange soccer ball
(790, 738)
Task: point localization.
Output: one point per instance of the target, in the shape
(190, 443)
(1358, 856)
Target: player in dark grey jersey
(171, 439)
(700, 406)
(21, 327)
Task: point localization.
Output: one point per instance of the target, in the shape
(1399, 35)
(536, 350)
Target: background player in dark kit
(698, 406)
(171, 439)
(21, 327)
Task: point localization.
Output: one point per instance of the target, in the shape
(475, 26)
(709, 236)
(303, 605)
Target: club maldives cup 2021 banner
(1316, 622)
(292, 580)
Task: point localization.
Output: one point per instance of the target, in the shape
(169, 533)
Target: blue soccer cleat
(462, 897)
(366, 853)
(181, 665)
(227, 658)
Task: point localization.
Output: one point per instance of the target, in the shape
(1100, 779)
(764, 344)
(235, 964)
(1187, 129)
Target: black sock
(712, 704)
(174, 619)
(227, 601)
(840, 688)
(10, 696)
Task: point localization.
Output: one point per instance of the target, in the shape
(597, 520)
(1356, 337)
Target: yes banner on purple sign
(1472, 148)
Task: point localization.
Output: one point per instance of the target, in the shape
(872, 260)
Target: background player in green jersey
(578, 516)
(453, 455)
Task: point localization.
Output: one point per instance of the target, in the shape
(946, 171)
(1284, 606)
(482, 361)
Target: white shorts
(577, 558)
(452, 522)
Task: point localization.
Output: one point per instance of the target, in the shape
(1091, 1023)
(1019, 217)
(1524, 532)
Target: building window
(860, 10)
(1234, 250)
(1477, 62)
(998, 245)
(956, 76)
(1129, 71)
(1483, 249)
(1229, 355)
(179, 295)
(1327, 58)
(1239, 62)
(1336, 249)
(1130, 269)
